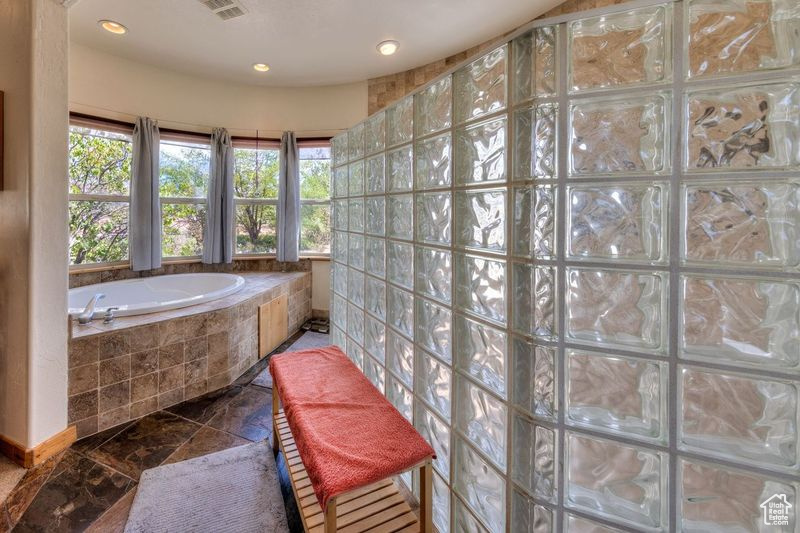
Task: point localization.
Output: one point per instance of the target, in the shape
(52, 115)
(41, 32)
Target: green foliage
(98, 164)
(185, 172)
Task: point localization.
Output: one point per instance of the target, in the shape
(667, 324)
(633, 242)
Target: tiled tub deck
(144, 363)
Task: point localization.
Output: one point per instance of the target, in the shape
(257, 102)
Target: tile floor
(91, 486)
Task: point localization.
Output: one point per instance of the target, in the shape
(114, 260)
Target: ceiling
(305, 42)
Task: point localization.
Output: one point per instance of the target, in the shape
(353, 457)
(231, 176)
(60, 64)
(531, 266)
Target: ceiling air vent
(225, 9)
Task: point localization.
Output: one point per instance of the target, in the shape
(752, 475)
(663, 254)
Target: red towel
(348, 435)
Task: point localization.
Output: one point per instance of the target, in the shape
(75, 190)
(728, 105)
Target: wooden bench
(377, 507)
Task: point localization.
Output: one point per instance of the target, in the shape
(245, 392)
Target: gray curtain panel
(145, 217)
(289, 200)
(218, 242)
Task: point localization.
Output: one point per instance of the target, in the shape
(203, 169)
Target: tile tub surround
(144, 363)
(238, 266)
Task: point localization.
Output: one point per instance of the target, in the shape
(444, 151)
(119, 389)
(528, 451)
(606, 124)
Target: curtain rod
(117, 122)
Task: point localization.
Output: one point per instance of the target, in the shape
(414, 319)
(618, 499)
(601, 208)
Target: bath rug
(235, 490)
(310, 339)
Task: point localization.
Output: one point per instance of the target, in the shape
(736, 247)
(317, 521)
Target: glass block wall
(573, 264)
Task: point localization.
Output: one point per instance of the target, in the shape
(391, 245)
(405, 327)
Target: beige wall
(114, 87)
(320, 285)
(33, 221)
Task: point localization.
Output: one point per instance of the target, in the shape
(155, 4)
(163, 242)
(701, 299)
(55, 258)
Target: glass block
(434, 383)
(741, 321)
(341, 210)
(623, 222)
(620, 135)
(400, 397)
(356, 257)
(616, 308)
(530, 517)
(746, 224)
(432, 107)
(535, 458)
(480, 486)
(434, 217)
(340, 246)
(743, 127)
(617, 481)
(399, 169)
(481, 219)
(737, 36)
(339, 314)
(341, 183)
(339, 149)
(480, 285)
(434, 270)
(338, 337)
(533, 300)
(534, 379)
(437, 433)
(434, 162)
(739, 418)
(479, 152)
(400, 263)
(355, 287)
(355, 141)
(620, 49)
(434, 328)
(535, 63)
(481, 352)
(617, 394)
(715, 499)
(533, 231)
(480, 87)
(375, 223)
(355, 323)
(482, 418)
(375, 133)
(375, 256)
(534, 154)
(400, 357)
(355, 353)
(465, 522)
(339, 272)
(375, 297)
(400, 122)
(356, 215)
(375, 373)
(400, 217)
(376, 181)
(375, 338)
(356, 179)
(578, 524)
(441, 504)
(401, 311)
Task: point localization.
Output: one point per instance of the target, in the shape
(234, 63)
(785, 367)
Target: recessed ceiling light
(113, 27)
(260, 67)
(387, 48)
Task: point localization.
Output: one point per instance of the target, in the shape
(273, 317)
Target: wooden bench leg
(330, 516)
(276, 406)
(426, 497)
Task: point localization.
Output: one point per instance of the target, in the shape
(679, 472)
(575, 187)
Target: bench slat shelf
(377, 508)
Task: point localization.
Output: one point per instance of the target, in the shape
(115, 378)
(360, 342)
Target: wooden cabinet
(273, 324)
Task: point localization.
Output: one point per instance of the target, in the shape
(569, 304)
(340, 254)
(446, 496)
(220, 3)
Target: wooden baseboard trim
(30, 457)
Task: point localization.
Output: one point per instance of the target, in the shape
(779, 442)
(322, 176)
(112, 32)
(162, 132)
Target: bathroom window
(315, 202)
(255, 183)
(99, 192)
(185, 162)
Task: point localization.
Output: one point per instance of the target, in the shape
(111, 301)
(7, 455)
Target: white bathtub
(153, 294)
